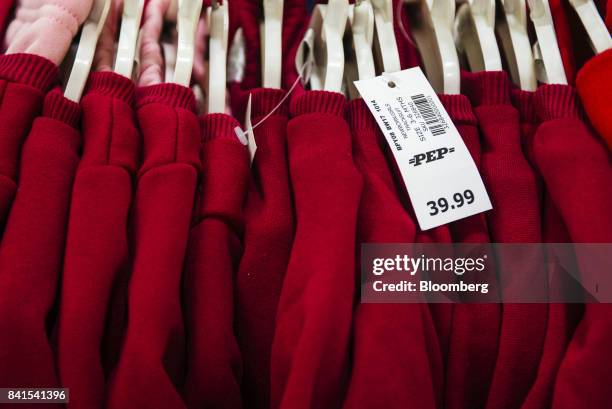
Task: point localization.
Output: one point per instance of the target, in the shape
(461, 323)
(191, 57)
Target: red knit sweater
(310, 348)
(214, 367)
(33, 245)
(97, 255)
(152, 356)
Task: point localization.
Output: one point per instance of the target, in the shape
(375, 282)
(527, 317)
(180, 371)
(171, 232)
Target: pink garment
(46, 27)
(104, 59)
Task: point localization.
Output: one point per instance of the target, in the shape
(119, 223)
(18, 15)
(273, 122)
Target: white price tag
(441, 177)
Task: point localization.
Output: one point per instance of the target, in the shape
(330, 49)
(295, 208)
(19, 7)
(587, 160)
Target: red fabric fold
(24, 80)
(576, 169)
(595, 89)
(214, 367)
(268, 237)
(515, 218)
(151, 365)
(32, 249)
(310, 349)
(475, 328)
(96, 259)
(409, 362)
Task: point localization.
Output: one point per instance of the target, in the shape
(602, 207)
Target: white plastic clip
(272, 43)
(595, 27)
(86, 49)
(386, 46)
(128, 37)
(547, 40)
(474, 33)
(186, 26)
(217, 50)
(512, 32)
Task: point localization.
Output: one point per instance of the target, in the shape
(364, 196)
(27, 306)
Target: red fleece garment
(594, 86)
(97, 244)
(475, 327)
(310, 349)
(214, 364)
(24, 80)
(515, 218)
(151, 365)
(406, 364)
(268, 238)
(576, 169)
(33, 245)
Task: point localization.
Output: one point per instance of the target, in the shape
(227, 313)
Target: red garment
(152, 358)
(475, 327)
(576, 169)
(561, 317)
(33, 245)
(268, 238)
(97, 252)
(214, 367)
(595, 89)
(406, 371)
(515, 218)
(24, 80)
(310, 349)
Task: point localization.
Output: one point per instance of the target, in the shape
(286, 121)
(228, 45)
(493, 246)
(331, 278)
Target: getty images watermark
(486, 273)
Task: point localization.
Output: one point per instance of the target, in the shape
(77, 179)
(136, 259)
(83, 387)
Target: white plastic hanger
(474, 34)
(272, 43)
(86, 50)
(362, 28)
(512, 32)
(186, 25)
(595, 27)
(217, 50)
(386, 45)
(359, 63)
(432, 24)
(547, 42)
(322, 46)
(128, 37)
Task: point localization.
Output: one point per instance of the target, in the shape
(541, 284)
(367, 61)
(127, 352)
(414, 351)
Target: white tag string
(241, 134)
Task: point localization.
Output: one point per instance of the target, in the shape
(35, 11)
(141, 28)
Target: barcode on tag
(440, 175)
(436, 124)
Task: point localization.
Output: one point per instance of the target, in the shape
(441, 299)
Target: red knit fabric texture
(24, 80)
(152, 359)
(268, 238)
(595, 89)
(33, 246)
(214, 369)
(576, 169)
(310, 348)
(97, 256)
(410, 361)
(474, 332)
(515, 218)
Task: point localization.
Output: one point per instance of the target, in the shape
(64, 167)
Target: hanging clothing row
(187, 187)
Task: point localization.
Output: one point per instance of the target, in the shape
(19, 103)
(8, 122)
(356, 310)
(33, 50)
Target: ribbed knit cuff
(264, 100)
(359, 116)
(458, 108)
(556, 101)
(58, 107)
(486, 87)
(177, 96)
(524, 102)
(29, 69)
(218, 126)
(320, 102)
(596, 67)
(111, 84)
